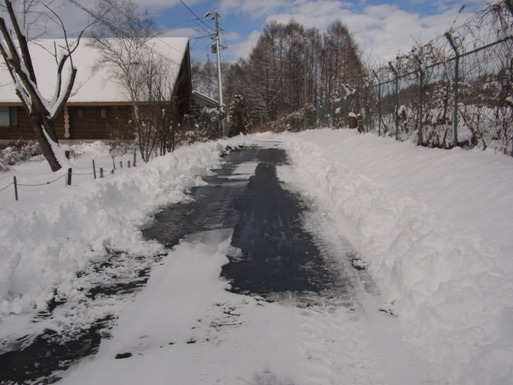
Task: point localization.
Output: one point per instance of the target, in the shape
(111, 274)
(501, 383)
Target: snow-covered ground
(435, 228)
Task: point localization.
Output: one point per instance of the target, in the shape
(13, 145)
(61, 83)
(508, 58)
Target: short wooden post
(70, 173)
(94, 170)
(120, 164)
(129, 164)
(101, 172)
(113, 163)
(15, 183)
(135, 158)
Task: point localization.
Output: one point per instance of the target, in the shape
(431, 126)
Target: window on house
(13, 114)
(5, 120)
(80, 113)
(103, 112)
(8, 116)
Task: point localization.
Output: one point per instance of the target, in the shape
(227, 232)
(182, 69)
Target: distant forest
(291, 74)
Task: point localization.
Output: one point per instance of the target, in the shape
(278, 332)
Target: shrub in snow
(295, 121)
(17, 153)
(239, 117)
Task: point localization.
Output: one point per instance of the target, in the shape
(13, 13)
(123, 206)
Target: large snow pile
(436, 228)
(53, 231)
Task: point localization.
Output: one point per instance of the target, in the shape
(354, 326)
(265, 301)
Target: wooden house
(99, 107)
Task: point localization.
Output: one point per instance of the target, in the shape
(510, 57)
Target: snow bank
(54, 231)
(435, 228)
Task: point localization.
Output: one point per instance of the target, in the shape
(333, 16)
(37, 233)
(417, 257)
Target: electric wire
(198, 18)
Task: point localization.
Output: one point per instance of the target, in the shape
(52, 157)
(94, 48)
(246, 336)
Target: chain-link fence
(456, 90)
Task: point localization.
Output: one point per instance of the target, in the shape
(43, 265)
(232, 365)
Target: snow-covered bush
(19, 152)
(295, 121)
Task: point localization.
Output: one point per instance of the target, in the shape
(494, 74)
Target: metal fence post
(396, 81)
(421, 109)
(456, 81)
(421, 101)
(379, 103)
(509, 4)
(15, 183)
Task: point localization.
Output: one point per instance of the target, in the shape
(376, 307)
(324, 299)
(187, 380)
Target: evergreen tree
(239, 117)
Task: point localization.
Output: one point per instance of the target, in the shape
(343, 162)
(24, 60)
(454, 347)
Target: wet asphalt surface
(272, 254)
(278, 255)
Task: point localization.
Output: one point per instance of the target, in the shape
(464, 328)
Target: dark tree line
(295, 77)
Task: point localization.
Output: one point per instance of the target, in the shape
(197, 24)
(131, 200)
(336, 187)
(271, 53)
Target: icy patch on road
(244, 171)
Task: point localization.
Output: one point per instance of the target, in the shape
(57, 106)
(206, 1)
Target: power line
(212, 30)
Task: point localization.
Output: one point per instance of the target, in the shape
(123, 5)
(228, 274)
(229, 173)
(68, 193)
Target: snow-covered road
(432, 226)
(185, 327)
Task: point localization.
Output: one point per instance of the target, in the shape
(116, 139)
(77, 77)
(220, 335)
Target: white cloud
(381, 31)
(397, 31)
(253, 9)
(230, 36)
(180, 32)
(243, 49)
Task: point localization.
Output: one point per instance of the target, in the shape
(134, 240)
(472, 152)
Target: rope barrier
(5, 188)
(67, 175)
(41, 184)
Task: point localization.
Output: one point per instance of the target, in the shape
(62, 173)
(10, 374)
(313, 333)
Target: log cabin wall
(98, 122)
(19, 129)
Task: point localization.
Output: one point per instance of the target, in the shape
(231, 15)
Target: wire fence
(67, 176)
(456, 90)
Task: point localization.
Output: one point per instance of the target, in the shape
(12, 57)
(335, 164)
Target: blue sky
(381, 28)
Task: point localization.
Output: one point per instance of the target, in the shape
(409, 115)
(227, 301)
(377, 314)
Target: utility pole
(305, 84)
(219, 77)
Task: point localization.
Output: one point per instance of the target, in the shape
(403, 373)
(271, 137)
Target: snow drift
(53, 231)
(435, 228)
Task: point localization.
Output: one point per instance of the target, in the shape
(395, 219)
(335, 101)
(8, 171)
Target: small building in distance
(99, 108)
(200, 100)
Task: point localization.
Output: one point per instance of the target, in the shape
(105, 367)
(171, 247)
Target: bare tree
(204, 77)
(293, 75)
(15, 26)
(155, 121)
(123, 38)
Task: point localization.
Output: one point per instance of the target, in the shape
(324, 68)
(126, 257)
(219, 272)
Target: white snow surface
(434, 228)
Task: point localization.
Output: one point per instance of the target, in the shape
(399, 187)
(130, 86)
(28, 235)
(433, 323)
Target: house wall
(85, 122)
(183, 86)
(23, 130)
(99, 122)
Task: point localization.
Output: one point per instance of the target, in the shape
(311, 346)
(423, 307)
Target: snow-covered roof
(92, 84)
(204, 100)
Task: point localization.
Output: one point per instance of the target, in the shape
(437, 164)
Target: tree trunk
(42, 138)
